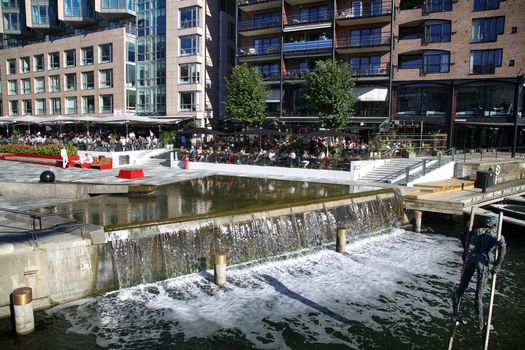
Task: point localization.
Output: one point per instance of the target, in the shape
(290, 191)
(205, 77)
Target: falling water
(157, 257)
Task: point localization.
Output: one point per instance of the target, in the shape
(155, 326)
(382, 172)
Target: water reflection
(198, 196)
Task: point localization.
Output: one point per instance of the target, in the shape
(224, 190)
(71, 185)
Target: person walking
(63, 154)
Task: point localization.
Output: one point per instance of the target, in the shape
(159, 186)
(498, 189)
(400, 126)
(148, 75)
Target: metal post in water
(220, 268)
(23, 310)
(418, 215)
(340, 244)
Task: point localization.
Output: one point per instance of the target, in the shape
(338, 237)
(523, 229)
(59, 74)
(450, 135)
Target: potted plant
(410, 151)
(167, 137)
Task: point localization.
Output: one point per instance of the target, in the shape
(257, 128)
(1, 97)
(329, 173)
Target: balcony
(370, 43)
(295, 74)
(259, 27)
(258, 5)
(378, 71)
(258, 53)
(319, 47)
(305, 22)
(271, 76)
(117, 9)
(372, 12)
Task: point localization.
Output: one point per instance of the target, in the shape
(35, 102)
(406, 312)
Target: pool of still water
(389, 291)
(198, 196)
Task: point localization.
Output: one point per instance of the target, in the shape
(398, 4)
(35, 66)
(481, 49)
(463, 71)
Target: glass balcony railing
(254, 24)
(257, 51)
(357, 41)
(371, 9)
(118, 5)
(295, 74)
(270, 76)
(313, 45)
(371, 70)
(253, 2)
(309, 19)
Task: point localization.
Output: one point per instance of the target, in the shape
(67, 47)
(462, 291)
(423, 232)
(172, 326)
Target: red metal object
(186, 162)
(131, 173)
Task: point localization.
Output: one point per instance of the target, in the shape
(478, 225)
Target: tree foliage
(246, 96)
(328, 92)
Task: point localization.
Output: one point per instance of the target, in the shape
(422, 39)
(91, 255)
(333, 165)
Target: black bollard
(47, 176)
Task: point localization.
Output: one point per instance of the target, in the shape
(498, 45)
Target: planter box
(45, 159)
(131, 173)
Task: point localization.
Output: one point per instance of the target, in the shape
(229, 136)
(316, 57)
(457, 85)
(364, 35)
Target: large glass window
(38, 63)
(71, 105)
(435, 61)
(11, 66)
(40, 85)
(106, 103)
(485, 100)
(266, 45)
(54, 83)
(40, 106)
(87, 55)
(70, 58)
(106, 78)
(365, 37)
(26, 86)
(437, 31)
(189, 17)
(54, 60)
(312, 14)
(189, 73)
(12, 88)
(105, 53)
(88, 80)
(71, 82)
(429, 101)
(438, 6)
(480, 5)
(13, 21)
(365, 66)
(189, 101)
(487, 29)
(55, 106)
(13, 107)
(189, 45)
(42, 14)
(27, 107)
(88, 104)
(410, 61)
(268, 71)
(24, 65)
(485, 61)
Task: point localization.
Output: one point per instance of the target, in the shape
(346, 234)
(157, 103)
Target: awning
(371, 93)
(275, 96)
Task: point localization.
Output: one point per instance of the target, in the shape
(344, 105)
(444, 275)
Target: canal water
(391, 290)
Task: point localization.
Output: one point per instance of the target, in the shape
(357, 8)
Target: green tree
(328, 92)
(246, 96)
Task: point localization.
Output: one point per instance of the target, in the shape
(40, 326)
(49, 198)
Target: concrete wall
(444, 172)
(509, 169)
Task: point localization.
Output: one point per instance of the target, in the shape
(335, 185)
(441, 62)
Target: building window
(131, 48)
(265, 45)
(88, 80)
(39, 63)
(71, 82)
(189, 101)
(366, 66)
(481, 5)
(485, 61)
(432, 6)
(54, 60)
(87, 55)
(71, 105)
(106, 103)
(429, 101)
(11, 66)
(25, 86)
(70, 58)
(189, 73)
(365, 37)
(485, 100)
(12, 19)
(40, 106)
(437, 31)
(24, 65)
(189, 17)
(189, 45)
(106, 53)
(268, 71)
(41, 14)
(13, 107)
(106, 78)
(12, 88)
(487, 29)
(54, 83)
(435, 61)
(55, 106)
(40, 85)
(27, 107)
(88, 104)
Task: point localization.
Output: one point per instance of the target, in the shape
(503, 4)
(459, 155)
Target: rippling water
(389, 291)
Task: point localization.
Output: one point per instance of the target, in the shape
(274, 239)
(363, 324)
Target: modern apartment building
(459, 67)
(450, 65)
(283, 39)
(115, 57)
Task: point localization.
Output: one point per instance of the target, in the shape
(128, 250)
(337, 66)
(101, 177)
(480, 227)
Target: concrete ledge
(58, 190)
